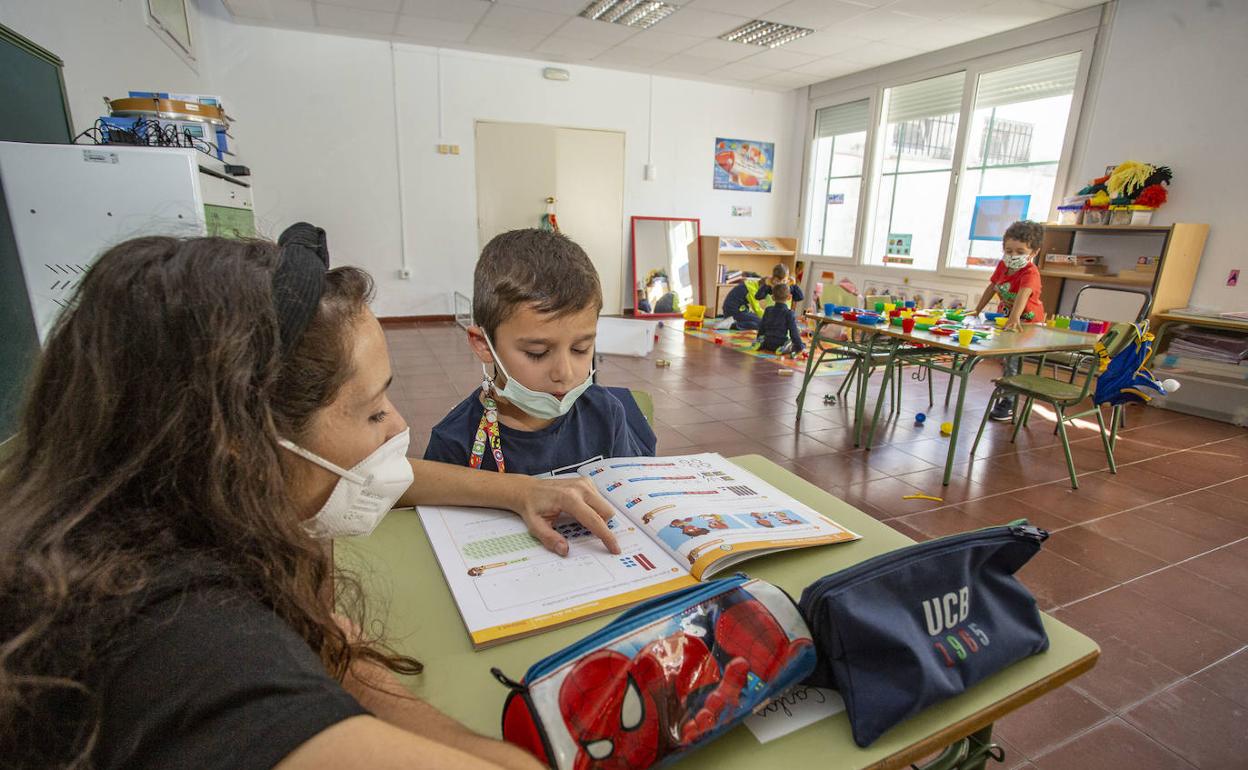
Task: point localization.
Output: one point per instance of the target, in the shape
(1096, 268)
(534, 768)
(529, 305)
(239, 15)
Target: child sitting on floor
(1016, 283)
(780, 322)
(535, 303)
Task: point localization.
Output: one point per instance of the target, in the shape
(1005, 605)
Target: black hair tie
(299, 281)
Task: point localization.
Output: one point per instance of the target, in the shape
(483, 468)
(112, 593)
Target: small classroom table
(406, 589)
(1032, 339)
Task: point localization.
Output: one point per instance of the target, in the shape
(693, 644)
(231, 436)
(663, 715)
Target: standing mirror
(666, 256)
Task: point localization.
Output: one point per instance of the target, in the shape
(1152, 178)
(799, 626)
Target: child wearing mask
(1016, 284)
(536, 299)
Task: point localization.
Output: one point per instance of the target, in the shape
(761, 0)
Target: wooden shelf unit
(712, 291)
(1171, 284)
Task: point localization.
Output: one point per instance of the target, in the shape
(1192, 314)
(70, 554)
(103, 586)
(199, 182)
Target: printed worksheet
(679, 520)
(507, 585)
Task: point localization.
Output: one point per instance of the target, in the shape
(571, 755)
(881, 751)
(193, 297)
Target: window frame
(1082, 42)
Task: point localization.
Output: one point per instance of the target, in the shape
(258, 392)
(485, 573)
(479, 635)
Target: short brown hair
(780, 292)
(780, 271)
(1025, 231)
(538, 267)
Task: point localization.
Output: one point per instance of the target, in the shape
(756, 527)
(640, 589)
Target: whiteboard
(69, 203)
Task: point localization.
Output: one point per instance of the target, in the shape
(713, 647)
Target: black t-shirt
(212, 679)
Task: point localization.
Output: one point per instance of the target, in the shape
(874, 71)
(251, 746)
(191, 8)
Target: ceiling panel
(851, 35)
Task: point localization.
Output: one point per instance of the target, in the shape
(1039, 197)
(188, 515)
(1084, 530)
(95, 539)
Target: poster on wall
(744, 165)
(897, 252)
(994, 213)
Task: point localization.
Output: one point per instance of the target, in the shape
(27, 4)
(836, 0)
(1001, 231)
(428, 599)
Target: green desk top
(407, 590)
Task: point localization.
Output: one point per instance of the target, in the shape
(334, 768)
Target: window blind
(849, 118)
(1028, 82)
(926, 98)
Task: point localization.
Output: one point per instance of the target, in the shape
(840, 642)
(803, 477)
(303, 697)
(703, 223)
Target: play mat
(746, 342)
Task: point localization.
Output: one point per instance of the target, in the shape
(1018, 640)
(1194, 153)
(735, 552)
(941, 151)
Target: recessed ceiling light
(630, 13)
(767, 34)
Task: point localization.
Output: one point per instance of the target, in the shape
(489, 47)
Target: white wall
(1172, 92)
(315, 123)
(107, 48)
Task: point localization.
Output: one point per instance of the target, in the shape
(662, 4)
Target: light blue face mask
(543, 406)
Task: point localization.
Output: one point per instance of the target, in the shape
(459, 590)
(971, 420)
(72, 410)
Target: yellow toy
(694, 315)
(946, 428)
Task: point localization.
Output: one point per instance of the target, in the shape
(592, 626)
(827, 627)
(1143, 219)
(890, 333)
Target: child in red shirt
(1016, 283)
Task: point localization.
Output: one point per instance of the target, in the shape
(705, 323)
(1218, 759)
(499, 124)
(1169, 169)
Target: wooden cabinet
(1179, 247)
(732, 253)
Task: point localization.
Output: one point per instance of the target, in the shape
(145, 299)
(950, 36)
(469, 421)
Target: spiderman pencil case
(919, 625)
(661, 680)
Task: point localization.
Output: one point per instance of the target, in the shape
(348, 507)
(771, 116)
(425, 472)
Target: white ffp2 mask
(363, 495)
(543, 406)
(1015, 261)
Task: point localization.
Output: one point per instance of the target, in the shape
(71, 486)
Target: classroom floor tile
(1150, 561)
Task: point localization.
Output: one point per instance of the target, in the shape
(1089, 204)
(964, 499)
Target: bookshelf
(1180, 248)
(738, 253)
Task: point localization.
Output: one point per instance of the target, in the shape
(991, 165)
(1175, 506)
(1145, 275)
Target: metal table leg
(864, 375)
(963, 373)
(812, 365)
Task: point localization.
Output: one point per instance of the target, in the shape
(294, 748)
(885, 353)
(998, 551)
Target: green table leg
(811, 366)
(860, 401)
(963, 373)
(889, 375)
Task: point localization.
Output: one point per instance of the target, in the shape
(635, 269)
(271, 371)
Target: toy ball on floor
(920, 418)
(1171, 385)
(946, 428)
(719, 340)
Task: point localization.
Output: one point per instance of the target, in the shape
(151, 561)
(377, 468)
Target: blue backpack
(1124, 379)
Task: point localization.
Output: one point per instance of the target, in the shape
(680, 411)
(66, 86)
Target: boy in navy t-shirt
(536, 298)
(778, 331)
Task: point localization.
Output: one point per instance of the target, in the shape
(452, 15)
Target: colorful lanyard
(488, 429)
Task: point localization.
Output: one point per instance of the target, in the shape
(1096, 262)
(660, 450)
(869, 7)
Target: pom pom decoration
(1100, 180)
(1128, 178)
(1161, 175)
(1100, 200)
(1151, 196)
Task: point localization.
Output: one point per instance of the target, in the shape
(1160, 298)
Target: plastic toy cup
(889, 306)
(1078, 325)
(965, 336)
(879, 307)
(1001, 321)
(910, 304)
(1098, 327)
(894, 313)
(907, 313)
(1063, 322)
(829, 309)
(1051, 323)
(907, 325)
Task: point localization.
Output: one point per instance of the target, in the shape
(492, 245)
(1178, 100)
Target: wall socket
(405, 273)
(448, 149)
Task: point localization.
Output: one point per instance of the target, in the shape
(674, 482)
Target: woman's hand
(544, 500)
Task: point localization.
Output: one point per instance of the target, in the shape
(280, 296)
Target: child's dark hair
(780, 292)
(1025, 231)
(780, 272)
(538, 267)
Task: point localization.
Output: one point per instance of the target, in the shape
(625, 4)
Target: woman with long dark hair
(203, 415)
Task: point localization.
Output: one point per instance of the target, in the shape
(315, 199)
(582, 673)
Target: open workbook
(679, 520)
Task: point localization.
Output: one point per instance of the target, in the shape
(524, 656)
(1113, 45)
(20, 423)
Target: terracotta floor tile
(842, 469)
(1228, 500)
(1207, 526)
(1228, 678)
(1053, 718)
(1197, 724)
(1114, 745)
(1143, 534)
(1224, 566)
(1098, 553)
(1055, 580)
(710, 433)
(1171, 637)
(1070, 504)
(886, 495)
(1214, 605)
(796, 447)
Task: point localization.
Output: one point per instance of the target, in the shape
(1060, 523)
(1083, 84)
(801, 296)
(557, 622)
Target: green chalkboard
(33, 108)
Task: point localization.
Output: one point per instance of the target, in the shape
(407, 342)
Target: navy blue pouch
(916, 626)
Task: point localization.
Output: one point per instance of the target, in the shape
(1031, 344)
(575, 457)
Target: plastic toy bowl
(849, 315)
(943, 331)
(896, 321)
(923, 324)
(992, 317)
(869, 318)
(955, 315)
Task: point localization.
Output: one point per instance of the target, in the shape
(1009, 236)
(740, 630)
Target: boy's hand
(1013, 325)
(548, 499)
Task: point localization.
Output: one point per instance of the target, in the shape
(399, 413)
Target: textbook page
(507, 585)
(710, 513)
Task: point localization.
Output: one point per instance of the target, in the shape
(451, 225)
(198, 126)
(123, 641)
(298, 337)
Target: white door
(520, 165)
